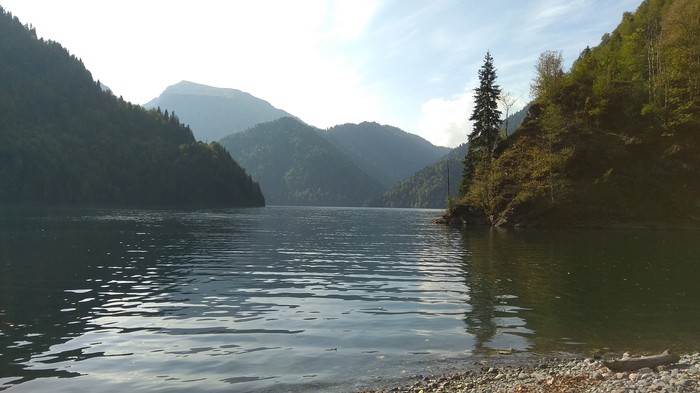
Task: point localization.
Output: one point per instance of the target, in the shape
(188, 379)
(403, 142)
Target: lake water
(318, 299)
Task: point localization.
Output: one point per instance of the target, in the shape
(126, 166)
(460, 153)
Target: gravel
(568, 375)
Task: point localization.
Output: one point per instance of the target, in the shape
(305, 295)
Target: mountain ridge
(214, 112)
(388, 153)
(64, 140)
(296, 165)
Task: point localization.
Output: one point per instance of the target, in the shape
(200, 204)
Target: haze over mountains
(213, 112)
(298, 164)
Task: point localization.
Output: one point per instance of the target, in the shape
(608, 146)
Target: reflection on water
(316, 299)
(626, 289)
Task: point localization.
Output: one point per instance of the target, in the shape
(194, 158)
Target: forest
(613, 140)
(65, 140)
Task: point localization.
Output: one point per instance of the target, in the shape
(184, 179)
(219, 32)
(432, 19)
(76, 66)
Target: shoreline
(551, 373)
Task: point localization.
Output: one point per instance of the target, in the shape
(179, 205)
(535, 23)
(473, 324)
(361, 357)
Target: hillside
(384, 152)
(427, 188)
(213, 112)
(612, 141)
(63, 140)
(295, 165)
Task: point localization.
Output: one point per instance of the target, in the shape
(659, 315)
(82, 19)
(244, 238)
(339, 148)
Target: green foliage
(486, 120)
(63, 140)
(427, 188)
(614, 139)
(486, 116)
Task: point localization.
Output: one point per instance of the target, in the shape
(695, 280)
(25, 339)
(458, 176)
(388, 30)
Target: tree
(549, 75)
(486, 120)
(486, 116)
(507, 101)
(680, 45)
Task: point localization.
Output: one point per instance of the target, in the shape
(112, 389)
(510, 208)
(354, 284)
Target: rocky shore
(562, 375)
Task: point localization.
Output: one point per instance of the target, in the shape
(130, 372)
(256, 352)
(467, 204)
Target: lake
(318, 299)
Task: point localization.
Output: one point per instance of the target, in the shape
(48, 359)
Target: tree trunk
(631, 364)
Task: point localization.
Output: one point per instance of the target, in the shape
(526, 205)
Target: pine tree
(486, 116)
(486, 120)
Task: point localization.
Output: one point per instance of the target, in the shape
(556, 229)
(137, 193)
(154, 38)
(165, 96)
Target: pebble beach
(560, 375)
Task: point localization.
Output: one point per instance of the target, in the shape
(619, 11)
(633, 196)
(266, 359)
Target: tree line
(63, 140)
(613, 139)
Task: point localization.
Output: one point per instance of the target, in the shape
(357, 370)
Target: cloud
(445, 122)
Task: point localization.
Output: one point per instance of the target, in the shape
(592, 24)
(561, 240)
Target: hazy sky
(407, 63)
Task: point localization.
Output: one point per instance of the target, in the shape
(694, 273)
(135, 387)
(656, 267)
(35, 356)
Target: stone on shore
(579, 375)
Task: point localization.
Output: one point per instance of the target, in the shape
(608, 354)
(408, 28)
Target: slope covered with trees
(63, 140)
(213, 112)
(386, 153)
(296, 165)
(427, 188)
(616, 139)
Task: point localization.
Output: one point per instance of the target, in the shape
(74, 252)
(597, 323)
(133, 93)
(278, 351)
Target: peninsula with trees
(615, 140)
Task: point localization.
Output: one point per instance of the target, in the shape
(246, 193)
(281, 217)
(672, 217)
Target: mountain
(213, 112)
(63, 140)
(384, 152)
(612, 141)
(296, 165)
(427, 188)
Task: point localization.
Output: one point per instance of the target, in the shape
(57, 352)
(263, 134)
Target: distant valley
(296, 163)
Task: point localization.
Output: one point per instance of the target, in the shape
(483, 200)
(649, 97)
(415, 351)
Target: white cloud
(445, 122)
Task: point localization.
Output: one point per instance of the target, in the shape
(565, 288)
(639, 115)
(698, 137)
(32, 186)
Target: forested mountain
(614, 140)
(386, 153)
(427, 188)
(296, 165)
(213, 112)
(63, 140)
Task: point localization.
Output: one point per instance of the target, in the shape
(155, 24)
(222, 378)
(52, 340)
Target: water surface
(318, 299)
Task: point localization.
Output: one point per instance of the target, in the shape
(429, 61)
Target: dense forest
(63, 140)
(428, 187)
(213, 113)
(387, 153)
(346, 165)
(296, 165)
(616, 139)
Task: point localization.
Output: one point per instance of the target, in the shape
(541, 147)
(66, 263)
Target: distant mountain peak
(191, 88)
(214, 112)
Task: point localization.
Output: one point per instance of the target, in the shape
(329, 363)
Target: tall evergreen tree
(486, 120)
(486, 116)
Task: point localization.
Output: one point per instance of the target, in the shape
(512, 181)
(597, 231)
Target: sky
(411, 64)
